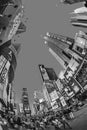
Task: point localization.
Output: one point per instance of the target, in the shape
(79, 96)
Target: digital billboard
(4, 72)
(69, 91)
(71, 69)
(81, 75)
(17, 21)
(68, 74)
(2, 62)
(54, 105)
(74, 85)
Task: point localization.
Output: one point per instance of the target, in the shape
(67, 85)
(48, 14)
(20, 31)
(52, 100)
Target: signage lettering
(16, 24)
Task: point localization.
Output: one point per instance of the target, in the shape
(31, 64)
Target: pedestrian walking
(63, 121)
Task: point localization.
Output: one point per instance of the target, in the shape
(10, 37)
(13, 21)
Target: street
(79, 123)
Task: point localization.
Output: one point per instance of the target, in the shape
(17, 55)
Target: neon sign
(16, 24)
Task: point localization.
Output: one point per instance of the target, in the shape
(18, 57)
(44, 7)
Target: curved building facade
(8, 64)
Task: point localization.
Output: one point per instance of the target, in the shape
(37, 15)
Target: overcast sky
(44, 16)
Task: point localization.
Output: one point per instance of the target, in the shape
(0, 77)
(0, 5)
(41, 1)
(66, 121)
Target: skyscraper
(59, 46)
(49, 88)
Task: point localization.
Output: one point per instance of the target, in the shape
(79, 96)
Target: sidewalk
(80, 112)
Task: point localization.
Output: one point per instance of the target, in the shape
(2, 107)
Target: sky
(43, 16)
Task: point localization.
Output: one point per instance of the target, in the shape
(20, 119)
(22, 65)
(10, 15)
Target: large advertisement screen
(59, 85)
(2, 62)
(54, 105)
(50, 87)
(54, 95)
(4, 73)
(81, 76)
(69, 92)
(74, 85)
(71, 69)
(16, 24)
(4, 80)
(4, 66)
(63, 102)
(68, 74)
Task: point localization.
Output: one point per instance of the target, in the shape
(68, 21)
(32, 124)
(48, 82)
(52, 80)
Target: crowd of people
(57, 119)
(34, 122)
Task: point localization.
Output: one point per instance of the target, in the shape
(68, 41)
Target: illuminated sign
(54, 105)
(68, 74)
(21, 107)
(41, 100)
(4, 80)
(2, 62)
(73, 64)
(76, 89)
(71, 69)
(59, 85)
(74, 85)
(69, 92)
(85, 87)
(63, 101)
(4, 73)
(81, 75)
(16, 24)
(45, 76)
(80, 43)
(54, 95)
